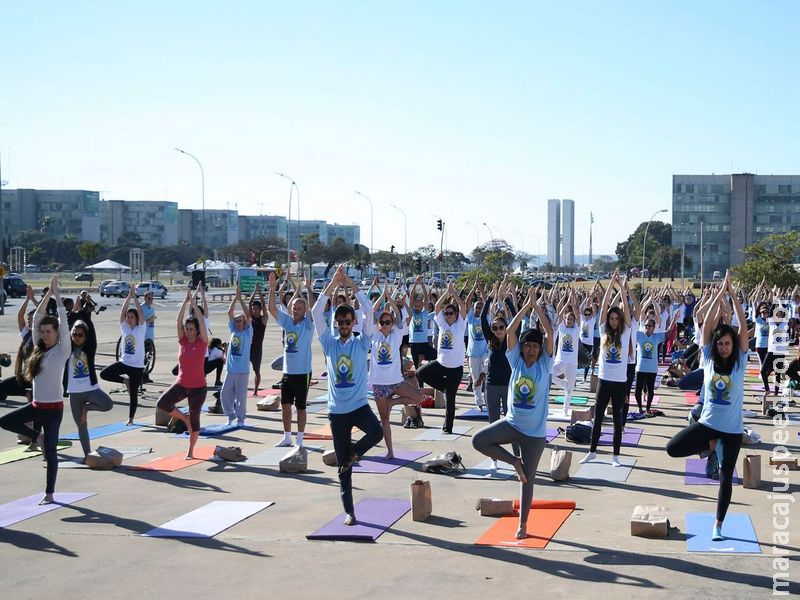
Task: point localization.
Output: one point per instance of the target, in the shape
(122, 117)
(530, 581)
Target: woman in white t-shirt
(565, 367)
(445, 373)
(615, 333)
(389, 387)
(129, 370)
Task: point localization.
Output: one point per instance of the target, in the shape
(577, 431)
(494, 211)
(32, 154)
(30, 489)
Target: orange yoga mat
(176, 462)
(690, 398)
(323, 433)
(544, 520)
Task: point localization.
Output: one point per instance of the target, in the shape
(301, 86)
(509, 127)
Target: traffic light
(439, 224)
(392, 249)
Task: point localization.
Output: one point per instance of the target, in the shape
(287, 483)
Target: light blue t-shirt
(527, 393)
(347, 371)
(762, 333)
(647, 351)
(297, 344)
(239, 349)
(149, 311)
(476, 344)
(419, 326)
(724, 394)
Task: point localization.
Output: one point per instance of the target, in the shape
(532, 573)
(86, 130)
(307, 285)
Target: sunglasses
(587, 314)
(385, 322)
(498, 327)
(344, 321)
(449, 313)
(78, 334)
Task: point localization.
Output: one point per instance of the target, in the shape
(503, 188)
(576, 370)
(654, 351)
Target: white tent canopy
(108, 265)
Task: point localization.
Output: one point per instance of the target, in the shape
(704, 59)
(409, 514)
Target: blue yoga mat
(103, 431)
(474, 414)
(740, 537)
(213, 430)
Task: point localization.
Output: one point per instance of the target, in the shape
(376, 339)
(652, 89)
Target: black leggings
(341, 430)
(444, 379)
(695, 439)
(47, 418)
(113, 372)
(614, 392)
(645, 382)
(10, 386)
(767, 367)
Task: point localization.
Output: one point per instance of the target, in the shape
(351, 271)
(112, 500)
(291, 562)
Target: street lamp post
(491, 235)
(203, 199)
(371, 220)
(644, 244)
(292, 186)
(405, 228)
(683, 252)
(477, 233)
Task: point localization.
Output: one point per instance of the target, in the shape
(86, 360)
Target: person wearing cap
(526, 422)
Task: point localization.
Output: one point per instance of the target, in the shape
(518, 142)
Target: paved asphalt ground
(93, 549)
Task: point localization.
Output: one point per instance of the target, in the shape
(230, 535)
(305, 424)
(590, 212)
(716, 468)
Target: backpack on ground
(444, 464)
(578, 433)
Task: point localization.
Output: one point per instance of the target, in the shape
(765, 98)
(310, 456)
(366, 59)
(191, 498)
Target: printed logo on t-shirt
(291, 342)
(417, 321)
(446, 342)
(477, 332)
(567, 345)
(130, 344)
(383, 354)
(612, 352)
(236, 345)
(764, 330)
(344, 372)
(80, 366)
(719, 390)
(524, 391)
(647, 350)
(584, 331)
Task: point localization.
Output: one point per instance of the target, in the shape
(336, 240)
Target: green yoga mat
(577, 400)
(10, 455)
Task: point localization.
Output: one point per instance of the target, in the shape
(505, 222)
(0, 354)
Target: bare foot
(520, 470)
(389, 456)
(46, 499)
(189, 456)
(522, 531)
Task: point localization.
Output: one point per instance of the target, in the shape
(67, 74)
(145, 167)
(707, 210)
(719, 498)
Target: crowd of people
(397, 341)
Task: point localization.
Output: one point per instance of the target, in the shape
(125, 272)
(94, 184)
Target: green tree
(629, 252)
(773, 258)
(603, 264)
(89, 251)
(385, 261)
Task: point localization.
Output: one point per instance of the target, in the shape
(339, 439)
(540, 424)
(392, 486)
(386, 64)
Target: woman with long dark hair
(724, 362)
(81, 383)
(17, 385)
(613, 387)
(44, 369)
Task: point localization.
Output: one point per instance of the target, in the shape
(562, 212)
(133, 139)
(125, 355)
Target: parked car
(101, 288)
(158, 289)
(84, 277)
(319, 284)
(33, 268)
(14, 286)
(117, 288)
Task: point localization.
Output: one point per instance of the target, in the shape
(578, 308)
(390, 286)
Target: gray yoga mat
(600, 469)
(437, 435)
(272, 457)
(483, 470)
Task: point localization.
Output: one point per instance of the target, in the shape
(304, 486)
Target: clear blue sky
(475, 111)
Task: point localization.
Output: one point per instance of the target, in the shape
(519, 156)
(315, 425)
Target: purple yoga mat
(25, 508)
(696, 473)
(630, 437)
(373, 515)
(376, 464)
(551, 435)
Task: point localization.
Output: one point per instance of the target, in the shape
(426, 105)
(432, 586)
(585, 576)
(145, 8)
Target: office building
(57, 213)
(554, 232)
(351, 234)
(156, 221)
(733, 211)
(221, 228)
(262, 226)
(567, 233)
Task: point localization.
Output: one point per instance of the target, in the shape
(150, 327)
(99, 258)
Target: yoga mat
(690, 398)
(630, 437)
(375, 464)
(268, 458)
(374, 516)
(576, 400)
(103, 431)
(483, 470)
(475, 415)
(76, 462)
(437, 435)
(462, 387)
(263, 394)
(203, 409)
(696, 473)
(212, 430)
(323, 433)
(602, 470)
(25, 508)
(554, 413)
(544, 520)
(315, 408)
(320, 398)
(756, 387)
(176, 462)
(551, 435)
(21, 452)
(737, 528)
(209, 520)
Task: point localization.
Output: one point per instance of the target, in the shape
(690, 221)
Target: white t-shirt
(133, 344)
(587, 330)
(451, 341)
(385, 365)
(78, 379)
(632, 347)
(404, 321)
(614, 358)
(567, 352)
(778, 336)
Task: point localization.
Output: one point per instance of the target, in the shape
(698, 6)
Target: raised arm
(511, 330)
(182, 314)
(546, 325)
(607, 297)
(273, 309)
(201, 322)
(712, 311)
(23, 308)
(626, 305)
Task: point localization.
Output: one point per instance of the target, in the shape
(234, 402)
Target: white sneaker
(240, 423)
(284, 443)
(588, 458)
(615, 461)
(494, 465)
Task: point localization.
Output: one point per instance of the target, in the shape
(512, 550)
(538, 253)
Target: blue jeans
(342, 428)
